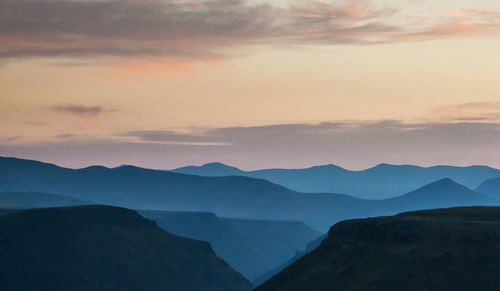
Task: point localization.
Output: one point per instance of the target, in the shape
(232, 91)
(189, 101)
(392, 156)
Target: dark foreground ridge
(104, 248)
(445, 249)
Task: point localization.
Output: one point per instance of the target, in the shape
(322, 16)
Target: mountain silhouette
(379, 182)
(439, 195)
(446, 249)
(249, 246)
(211, 169)
(104, 248)
(232, 196)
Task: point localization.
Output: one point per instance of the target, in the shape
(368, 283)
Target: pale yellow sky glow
(355, 62)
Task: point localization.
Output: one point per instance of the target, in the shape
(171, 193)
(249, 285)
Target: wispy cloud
(80, 110)
(172, 137)
(207, 29)
(352, 144)
(474, 111)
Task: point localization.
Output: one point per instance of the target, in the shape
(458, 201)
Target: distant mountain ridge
(232, 196)
(444, 249)
(379, 182)
(104, 248)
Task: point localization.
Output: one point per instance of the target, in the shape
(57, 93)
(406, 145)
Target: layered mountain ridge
(232, 196)
(379, 182)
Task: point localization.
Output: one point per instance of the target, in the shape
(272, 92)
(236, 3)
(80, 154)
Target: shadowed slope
(446, 249)
(104, 248)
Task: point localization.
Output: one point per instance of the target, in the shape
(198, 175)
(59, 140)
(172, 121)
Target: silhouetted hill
(446, 249)
(382, 181)
(21, 200)
(249, 246)
(442, 193)
(234, 196)
(439, 195)
(491, 188)
(104, 248)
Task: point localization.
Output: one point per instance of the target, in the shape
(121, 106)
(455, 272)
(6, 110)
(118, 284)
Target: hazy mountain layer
(276, 241)
(382, 181)
(249, 246)
(491, 188)
(243, 197)
(447, 249)
(21, 200)
(104, 248)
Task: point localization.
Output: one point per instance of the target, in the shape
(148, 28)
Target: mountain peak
(445, 182)
(441, 194)
(210, 169)
(218, 164)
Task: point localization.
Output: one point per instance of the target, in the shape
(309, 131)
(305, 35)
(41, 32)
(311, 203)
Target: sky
(292, 84)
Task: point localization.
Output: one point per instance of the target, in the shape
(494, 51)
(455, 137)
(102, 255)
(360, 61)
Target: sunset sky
(166, 83)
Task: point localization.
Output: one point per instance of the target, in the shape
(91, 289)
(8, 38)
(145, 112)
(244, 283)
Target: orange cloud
(461, 22)
(153, 66)
(158, 67)
(165, 31)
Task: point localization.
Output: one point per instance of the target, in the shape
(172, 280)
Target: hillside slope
(104, 248)
(446, 249)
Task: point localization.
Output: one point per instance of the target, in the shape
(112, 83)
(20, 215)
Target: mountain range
(104, 248)
(231, 196)
(380, 182)
(445, 249)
